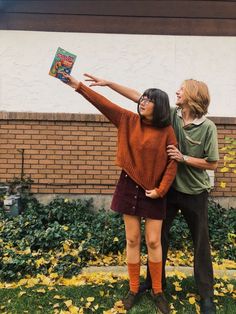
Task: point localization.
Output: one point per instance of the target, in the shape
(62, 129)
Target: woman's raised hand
(71, 81)
(95, 81)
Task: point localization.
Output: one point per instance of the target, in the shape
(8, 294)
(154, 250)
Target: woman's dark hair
(161, 110)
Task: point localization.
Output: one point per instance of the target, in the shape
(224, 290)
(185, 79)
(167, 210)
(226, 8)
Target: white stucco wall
(139, 61)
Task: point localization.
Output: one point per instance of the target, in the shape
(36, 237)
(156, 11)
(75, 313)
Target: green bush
(222, 227)
(42, 228)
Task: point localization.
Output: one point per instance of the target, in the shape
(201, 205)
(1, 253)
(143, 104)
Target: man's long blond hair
(197, 96)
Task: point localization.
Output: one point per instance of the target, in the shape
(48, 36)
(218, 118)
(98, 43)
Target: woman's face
(146, 107)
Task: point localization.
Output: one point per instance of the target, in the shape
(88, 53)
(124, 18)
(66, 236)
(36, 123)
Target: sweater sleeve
(171, 168)
(110, 110)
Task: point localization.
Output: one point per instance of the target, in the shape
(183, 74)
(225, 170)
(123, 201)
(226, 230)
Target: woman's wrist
(77, 85)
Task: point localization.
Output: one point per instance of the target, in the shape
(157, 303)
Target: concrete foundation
(104, 201)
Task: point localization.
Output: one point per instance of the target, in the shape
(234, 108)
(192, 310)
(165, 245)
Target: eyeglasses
(145, 101)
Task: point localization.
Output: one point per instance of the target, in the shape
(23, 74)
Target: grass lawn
(104, 297)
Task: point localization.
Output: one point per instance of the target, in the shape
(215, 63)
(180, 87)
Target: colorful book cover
(62, 62)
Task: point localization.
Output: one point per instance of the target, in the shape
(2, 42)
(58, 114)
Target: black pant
(194, 208)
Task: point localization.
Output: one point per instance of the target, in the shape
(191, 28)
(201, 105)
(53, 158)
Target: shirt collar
(196, 121)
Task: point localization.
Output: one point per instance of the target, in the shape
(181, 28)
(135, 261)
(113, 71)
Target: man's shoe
(207, 306)
(161, 303)
(129, 300)
(145, 287)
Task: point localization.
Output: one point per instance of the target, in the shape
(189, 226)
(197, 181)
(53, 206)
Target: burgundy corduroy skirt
(129, 198)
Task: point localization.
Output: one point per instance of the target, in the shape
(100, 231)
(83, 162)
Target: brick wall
(75, 153)
(226, 128)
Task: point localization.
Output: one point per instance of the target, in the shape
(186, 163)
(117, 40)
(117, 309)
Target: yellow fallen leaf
(54, 275)
(21, 293)
(171, 306)
(68, 303)
(73, 309)
(230, 288)
(32, 282)
(46, 281)
(119, 303)
(192, 300)
(58, 297)
(56, 305)
(41, 290)
(197, 307)
(40, 262)
(27, 251)
(87, 305)
(90, 299)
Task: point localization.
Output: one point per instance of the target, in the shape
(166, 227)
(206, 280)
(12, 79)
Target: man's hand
(152, 193)
(174, 153)
(95, 81)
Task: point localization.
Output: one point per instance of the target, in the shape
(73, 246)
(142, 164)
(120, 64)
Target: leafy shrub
(222, 227)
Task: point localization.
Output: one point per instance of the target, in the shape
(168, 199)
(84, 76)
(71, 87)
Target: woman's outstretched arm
(123, 90)
(111, 110)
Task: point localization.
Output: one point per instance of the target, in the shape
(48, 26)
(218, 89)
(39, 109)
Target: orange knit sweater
(141, 147)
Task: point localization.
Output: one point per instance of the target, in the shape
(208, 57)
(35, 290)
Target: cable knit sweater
(141, 147)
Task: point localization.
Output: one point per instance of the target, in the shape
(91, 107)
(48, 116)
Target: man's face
(181, 99)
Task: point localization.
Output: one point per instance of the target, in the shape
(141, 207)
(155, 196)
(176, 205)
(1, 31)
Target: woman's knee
(133, 241)
(153, 244)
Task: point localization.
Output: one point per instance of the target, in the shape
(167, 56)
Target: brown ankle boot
(129, 300)
(161, 302)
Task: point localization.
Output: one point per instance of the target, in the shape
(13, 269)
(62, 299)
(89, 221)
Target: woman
(147, 173)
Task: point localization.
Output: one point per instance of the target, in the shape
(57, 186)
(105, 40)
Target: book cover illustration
(62, 62)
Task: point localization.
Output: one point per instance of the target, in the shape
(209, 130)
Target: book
(62, 62)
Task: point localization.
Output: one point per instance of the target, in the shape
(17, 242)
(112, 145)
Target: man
(197, 152)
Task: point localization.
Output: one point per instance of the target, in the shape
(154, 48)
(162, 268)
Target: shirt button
(136, 186)
(135, 196)
(133, 207)
(126, 175)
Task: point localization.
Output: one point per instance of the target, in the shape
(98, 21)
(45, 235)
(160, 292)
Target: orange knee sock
(156, 274)
(134, 272)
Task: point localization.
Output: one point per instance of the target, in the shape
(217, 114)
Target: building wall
(138, 61)
(75, 153)
(138, 43)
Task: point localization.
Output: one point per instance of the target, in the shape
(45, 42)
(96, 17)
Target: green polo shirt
(198, 139)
